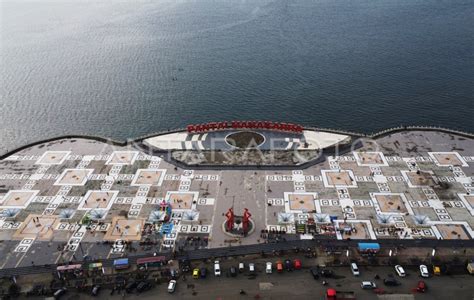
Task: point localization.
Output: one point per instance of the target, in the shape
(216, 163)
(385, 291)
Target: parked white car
(268, 269)
(171, 286)
(369, 285)
(251, 267)
(217, 268)
(400, 271)
(424, 271)
(355, 269)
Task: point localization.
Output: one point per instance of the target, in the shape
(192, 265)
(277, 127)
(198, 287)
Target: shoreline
(123, 143)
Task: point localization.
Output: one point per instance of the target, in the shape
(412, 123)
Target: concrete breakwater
(124, 143)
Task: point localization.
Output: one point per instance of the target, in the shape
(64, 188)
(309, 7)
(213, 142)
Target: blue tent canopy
(369, 247)
(121, 262)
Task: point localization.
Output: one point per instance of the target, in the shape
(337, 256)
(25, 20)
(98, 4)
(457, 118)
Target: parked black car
(233, 271)
(315, 273)
(327, 273)
(185, 265)
(37, 290)
(288, 265)
(203, 272)
(390, 281)
(130, 287)
(120, 282)
(143, 286)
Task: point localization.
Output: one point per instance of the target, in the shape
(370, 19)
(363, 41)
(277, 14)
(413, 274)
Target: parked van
(241, 267)
(355, 269)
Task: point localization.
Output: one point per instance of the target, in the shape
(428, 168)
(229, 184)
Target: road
(301, 285)
(257, 249)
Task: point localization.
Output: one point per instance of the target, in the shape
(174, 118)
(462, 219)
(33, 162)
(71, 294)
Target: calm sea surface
(127, 68)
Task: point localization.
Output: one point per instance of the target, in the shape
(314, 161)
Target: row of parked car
(318, 272)
(398, 269)
(423, 271)
(289, 265)
(390, 281)
(279, 266)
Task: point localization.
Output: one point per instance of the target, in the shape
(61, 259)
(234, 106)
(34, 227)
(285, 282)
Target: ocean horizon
(122, 70)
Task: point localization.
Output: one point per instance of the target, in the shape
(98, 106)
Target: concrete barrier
(114, 142)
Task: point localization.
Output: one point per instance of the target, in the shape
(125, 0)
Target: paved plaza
(59, 201)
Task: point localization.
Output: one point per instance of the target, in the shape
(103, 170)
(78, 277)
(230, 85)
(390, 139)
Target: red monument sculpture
(246, 220)
(230, 219)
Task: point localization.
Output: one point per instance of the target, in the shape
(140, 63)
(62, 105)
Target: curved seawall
(114, 142)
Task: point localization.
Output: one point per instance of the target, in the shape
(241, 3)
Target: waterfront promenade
(74, 199)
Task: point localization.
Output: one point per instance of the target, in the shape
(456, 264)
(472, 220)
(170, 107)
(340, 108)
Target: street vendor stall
(149, 262)
(121, 264)
(65, 270)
